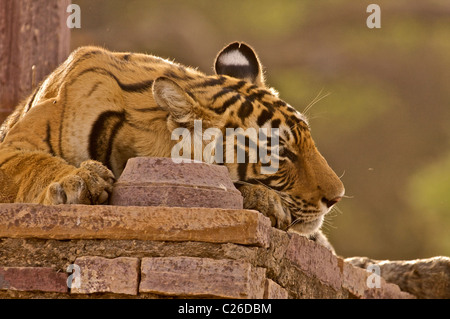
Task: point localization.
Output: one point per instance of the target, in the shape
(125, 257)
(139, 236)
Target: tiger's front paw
(267, 202)
(92, 183)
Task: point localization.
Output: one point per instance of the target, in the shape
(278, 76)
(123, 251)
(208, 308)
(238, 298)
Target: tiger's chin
(307, 228)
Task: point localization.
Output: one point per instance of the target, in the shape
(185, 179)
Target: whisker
(312, 102)
(328, 223)
(293, 223)
(316, 100)
(317, 115)
(337, 209)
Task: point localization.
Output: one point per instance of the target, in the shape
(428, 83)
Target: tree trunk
(32, 33)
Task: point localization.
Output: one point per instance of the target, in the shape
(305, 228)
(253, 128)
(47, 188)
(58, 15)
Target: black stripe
(48, 140)
(61, 122)
(191, 95)
(148, 124)
(255, 168)
(289, 122)
(147, 68)
(296, 136)
(228, 89)
(290, 184)
(269, 179)
(252, 87)
(86, 56)
(279, 188)
(27, 108)
(238, 85)
(102, 136)
(149, 109)
(227, 104)
(264, 117)
(230, 124)
(94, 88)
(138, 87)
(279, 103)
(211, 82)
(258, 96)
(245, 110)
(276, 123)
(242, 171)
(269, 106)
(173, 75)
(80, 59)
(222, 92)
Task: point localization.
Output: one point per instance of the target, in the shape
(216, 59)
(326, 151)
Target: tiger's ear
(240, 61)
(172, 98)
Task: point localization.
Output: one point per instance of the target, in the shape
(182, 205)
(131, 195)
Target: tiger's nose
(331, 202)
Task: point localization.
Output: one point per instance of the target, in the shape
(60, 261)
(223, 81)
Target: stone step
(65, 222)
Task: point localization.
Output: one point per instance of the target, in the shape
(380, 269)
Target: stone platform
(160, 252)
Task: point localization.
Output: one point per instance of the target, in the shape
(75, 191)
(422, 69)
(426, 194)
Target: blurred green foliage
(385, 127)
(432, 202)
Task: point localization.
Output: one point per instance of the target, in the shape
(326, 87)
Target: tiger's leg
(27, 158)
(268, 202)
(46, 179)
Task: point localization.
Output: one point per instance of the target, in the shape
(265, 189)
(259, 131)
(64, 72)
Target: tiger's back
(95, 104)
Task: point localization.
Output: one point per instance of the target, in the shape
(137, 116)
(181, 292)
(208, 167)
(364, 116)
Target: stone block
(103, 275)
(201, 277)
(274, 291)
(353, 279)
(148, 181)
(356, 280)
(42, 279)
(63, 222)
(314, 260)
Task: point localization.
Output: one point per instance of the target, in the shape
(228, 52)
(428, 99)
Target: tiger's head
(236, 98)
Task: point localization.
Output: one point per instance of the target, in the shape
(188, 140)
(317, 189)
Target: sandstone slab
(314, 260)
(41, 279)
(365, 284)
(148, 181)
(201, 277)
(102, 275)
(142, 223)
(353, 279)
(424, 278)
(273, 290)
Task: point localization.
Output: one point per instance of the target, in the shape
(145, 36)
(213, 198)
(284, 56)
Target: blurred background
(385, 127)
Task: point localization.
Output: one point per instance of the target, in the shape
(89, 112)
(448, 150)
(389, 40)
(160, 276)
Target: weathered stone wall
(160, 252)
(210, 247)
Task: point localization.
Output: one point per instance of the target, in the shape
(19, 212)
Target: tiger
(69, 141)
